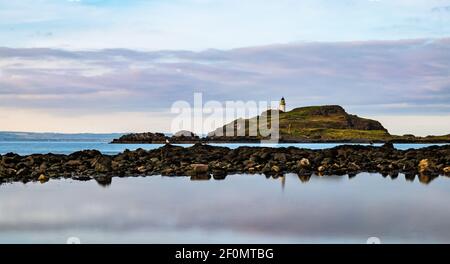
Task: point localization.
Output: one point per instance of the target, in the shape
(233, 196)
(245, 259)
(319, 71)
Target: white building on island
(282, 105)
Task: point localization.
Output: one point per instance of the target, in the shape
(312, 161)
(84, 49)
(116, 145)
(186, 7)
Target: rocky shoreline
(191, 138)
(205, 161)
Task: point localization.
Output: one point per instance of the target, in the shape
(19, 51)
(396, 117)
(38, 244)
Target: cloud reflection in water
(240, 208)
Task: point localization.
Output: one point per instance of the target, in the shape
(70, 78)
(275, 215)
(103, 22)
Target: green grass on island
(327, 123)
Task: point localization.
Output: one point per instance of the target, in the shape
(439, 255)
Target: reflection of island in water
(106, 181)
(240, 208)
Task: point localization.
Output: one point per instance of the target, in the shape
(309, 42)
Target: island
(201, 161)
(312, 124)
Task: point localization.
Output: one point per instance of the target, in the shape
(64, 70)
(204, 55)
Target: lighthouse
(282, 105)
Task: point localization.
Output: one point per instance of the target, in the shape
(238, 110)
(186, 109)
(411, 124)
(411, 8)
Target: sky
(117, 66)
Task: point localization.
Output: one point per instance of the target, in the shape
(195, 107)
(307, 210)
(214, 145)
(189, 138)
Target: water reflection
(305, 178)
(104, 181)
(201, 177)
(287, 208)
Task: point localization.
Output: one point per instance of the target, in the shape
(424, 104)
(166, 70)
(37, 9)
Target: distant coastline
(47, 136)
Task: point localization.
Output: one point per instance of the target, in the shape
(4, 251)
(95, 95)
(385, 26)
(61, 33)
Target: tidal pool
(238, 209)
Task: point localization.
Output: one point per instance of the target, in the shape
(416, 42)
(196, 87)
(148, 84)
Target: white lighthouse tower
(282, 105)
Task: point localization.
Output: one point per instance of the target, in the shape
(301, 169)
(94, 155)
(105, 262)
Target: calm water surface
(239, 209)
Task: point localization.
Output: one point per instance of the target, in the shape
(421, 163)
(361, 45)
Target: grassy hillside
(335, 134)
(328, 116)
(318, 123)
(328, 123)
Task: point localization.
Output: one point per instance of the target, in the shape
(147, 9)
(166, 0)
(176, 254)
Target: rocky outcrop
(312, 124)
(142, 138)
(184, 133)
(204, 161)
(157, 138)
(184, 136)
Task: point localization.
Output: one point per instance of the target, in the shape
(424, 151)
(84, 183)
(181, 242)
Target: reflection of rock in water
(426, 179)
(219, 176)
(283, 182)
(201, 177)
(103, 181)
(393, 175)
(351, 176)
(304, 177)
(410, 176)
(82, 178)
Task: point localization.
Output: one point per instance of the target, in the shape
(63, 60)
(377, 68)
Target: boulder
(154, 160)
(304, 163)
(446, 170)
(142, 169)
(42, 178)
(199, 168)
(43, 167)
(275, 169)
(102, 164)
(321, 168)
(281, 157)
(24, 172)
(73, 163)
(424, 165)
(353, 167)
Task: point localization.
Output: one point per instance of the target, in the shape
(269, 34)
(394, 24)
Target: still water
(238, 209)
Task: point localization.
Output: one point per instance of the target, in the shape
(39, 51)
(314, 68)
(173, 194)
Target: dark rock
(199, 168)
(142, 138)
(73, 163)
(388, 145)
(281, 157)
(102, 164)
(200, 161)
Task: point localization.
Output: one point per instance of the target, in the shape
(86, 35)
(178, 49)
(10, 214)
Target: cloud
(350, 73)
(439, 9)
(224, 24)
(373, 77)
